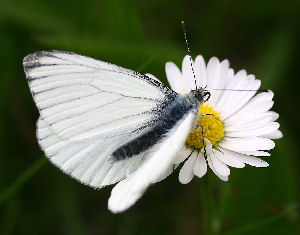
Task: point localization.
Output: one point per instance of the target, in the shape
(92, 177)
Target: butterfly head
(200, 94)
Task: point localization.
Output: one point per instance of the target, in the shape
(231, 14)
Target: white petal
(229, 79)
(275, 116)
(182, 155)
(247, 144)
(187, 72)
(208, 147)
(256, 153)
(230, 158)
(224, 178)
(253, 161)
(259, 104)
(200, 70)
(216, 79)
(174, 76)
(232, 100)
(240, 98)
(219, 166)
(200, 166)
(249, 121)
(271, 127)
(211, 68)
(274, 135)
(186, 173)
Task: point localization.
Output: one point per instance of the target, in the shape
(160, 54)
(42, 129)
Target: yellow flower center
(213, 129)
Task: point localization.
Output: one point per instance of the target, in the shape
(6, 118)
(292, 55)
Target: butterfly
(103, 124)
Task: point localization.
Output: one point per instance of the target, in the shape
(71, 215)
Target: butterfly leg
(203, 139)
(210, 114)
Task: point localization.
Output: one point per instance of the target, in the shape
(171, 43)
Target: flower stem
(210, 221)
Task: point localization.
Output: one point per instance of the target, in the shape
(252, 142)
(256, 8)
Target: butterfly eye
(206, 96)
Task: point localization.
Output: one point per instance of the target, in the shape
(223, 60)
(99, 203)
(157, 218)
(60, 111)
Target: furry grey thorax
(174, 112)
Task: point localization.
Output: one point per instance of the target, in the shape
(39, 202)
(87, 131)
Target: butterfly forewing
(88, 108)
(80, 97)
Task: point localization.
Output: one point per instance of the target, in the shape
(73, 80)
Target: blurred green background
(261, 36)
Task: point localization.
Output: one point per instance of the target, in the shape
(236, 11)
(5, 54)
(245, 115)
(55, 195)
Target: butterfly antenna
(188, 49)
(259, 90)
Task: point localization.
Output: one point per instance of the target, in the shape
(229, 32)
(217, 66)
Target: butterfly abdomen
(178, 108)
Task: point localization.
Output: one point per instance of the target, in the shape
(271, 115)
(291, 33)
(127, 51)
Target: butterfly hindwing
(86, 161)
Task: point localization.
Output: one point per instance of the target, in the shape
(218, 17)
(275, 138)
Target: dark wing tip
(39, 54)
(34, 57)
(32, 61)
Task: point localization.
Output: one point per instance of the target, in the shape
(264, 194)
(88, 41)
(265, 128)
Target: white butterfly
(102, 124)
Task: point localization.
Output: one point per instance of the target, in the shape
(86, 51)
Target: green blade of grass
(17, 184)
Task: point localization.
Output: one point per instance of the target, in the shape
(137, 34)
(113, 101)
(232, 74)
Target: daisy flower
(237, 125)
